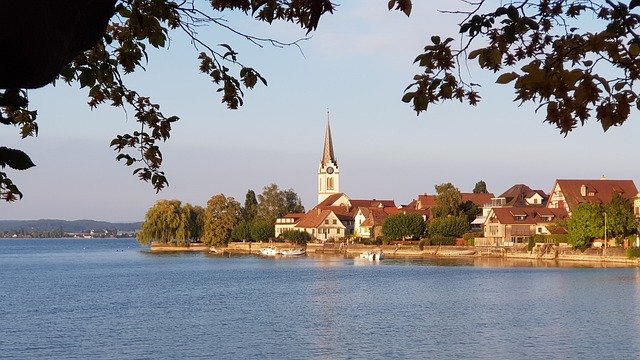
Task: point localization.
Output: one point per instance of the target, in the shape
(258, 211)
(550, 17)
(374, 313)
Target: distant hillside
(66, 226)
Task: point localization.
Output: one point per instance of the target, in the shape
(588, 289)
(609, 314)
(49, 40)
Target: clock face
(330, 170)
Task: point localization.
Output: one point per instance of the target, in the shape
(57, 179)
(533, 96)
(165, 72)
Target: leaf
(507, 78)
(435, 40)
(15, 159)
(634, 49)
(408, 97)
(634, 3)
(475, 53)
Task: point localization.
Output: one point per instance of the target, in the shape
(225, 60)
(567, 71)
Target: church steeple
(327, 154)
(328, 173)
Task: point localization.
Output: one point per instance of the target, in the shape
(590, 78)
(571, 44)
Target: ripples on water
(79, 299)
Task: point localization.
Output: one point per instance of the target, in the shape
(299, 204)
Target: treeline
(451, 218)
(222, 220)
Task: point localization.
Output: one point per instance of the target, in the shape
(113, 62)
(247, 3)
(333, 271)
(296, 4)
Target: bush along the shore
(633, 253)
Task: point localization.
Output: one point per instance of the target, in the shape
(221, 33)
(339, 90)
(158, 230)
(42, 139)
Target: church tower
(328, 173)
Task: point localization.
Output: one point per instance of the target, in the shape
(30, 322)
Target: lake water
(108, 299)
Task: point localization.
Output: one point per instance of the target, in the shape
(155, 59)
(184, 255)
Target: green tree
(271, 204)
(292, 202)
(470, 210)
(448, 226)
(163, 223)
(192, 222)
(620, 218)
(295, 236)
(447, 201)
(480, 188)
(250, 208)
(242, 231)
(262, 231)
(403, 226)
(220, 216)
(585, 224)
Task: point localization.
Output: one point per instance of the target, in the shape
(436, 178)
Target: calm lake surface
(110, 299)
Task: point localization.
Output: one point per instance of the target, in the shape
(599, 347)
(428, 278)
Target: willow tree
(163, 223)
(220, 217)
(193, 223)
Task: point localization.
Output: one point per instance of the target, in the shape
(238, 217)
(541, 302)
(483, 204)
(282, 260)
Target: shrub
(633, 253)
(295, 236)
(442, 240)
(422, 243)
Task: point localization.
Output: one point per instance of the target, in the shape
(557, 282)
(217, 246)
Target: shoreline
(615, 256)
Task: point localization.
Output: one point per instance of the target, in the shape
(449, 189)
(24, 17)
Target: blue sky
(357, 64)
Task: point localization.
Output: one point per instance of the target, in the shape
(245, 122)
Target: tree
(470, 210)
(250, 208)
(295, 236)
(193, 222)
(292, 202)
(571, 68)
(96, 43)
(447, 201)
(274, 203)
(220, 216)
(262, 231)
(163, 223)
(242, 231)
(585, 224)
(454, 226)
(403, 226)
(480, 188)
(620, 218)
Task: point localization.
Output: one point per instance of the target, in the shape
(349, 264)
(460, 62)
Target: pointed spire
(327, 153)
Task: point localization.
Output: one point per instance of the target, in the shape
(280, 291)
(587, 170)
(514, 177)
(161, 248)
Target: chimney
(603, 177)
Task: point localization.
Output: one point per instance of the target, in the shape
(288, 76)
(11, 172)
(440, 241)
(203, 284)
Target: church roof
(327, 152)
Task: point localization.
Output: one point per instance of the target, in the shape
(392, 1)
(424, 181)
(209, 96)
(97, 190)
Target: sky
(355, 66)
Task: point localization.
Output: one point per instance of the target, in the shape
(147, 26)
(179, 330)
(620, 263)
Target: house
(507, 226)
(568, 194)
(326, 224)
(369, 220)
(521, 195)
(287, 222)
(518, 195)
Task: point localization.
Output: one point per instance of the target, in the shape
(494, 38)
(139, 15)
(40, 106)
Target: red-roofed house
(287, 222)
(568, 194)
(506, 226)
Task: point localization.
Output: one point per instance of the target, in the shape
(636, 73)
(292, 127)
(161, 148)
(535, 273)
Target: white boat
(373, 255)
(294, 252)
(270, 251)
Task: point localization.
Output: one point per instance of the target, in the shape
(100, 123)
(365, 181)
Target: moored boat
(270, 251)
(294, 252)
(372, 255)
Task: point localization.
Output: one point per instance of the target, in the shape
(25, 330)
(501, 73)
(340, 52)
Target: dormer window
(519, 217)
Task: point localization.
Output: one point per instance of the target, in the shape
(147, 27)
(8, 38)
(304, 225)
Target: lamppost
(605, 234)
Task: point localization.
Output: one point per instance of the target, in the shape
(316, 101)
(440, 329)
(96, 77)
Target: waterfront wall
(543, 252)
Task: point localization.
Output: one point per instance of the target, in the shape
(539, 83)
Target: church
(337, 216)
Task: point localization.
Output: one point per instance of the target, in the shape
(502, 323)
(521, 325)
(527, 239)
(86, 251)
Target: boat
(294, 252)
(270, 251)
(373, 255)
(456, 253)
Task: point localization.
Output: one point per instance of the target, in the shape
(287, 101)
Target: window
(330, 183)
(335, 221)
(326, 221)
